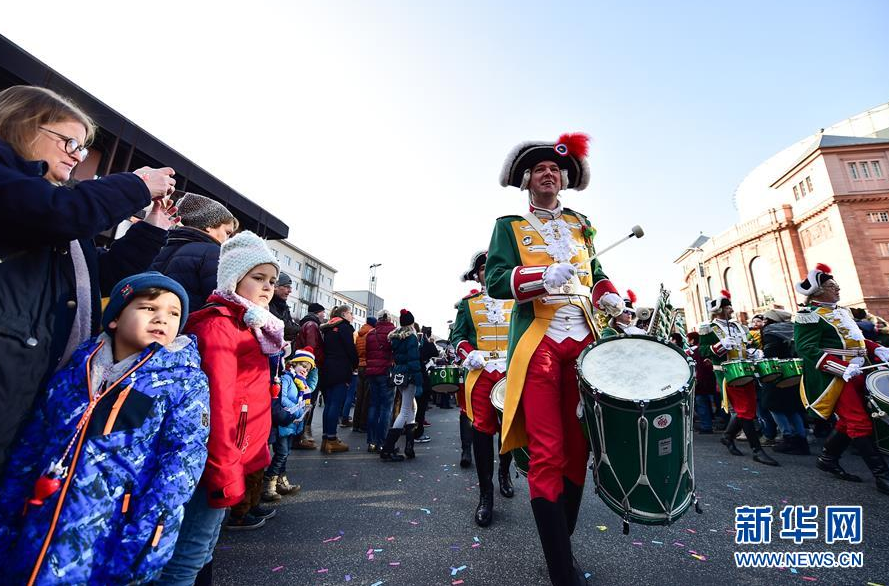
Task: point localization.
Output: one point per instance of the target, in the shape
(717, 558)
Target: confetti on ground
(475, 539)
(810, 579)
(699, 557)
(456, 582)
(693, 552)
(377, 583)
(733, 487)
(793, 571)
(873, 584)
(691, 530)
(348, 577)
(676, 543)
(321, 571)
(414, 522)
(394, 563)
(657, 542)
(637, 543)
(713, 531)
(455, 547)
(474, 545)
(601, 527)
(435, 499)
(390, 539)
(337, 538)
(455, 570)
(278, 569)
(587, 575)
(427, 511)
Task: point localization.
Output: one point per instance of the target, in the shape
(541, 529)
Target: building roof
(827, 141)
(21, 68)
(699, 241)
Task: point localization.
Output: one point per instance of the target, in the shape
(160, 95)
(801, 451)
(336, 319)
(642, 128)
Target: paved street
(362, 521)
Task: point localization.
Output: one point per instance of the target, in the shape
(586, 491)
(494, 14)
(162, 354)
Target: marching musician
(480, 335)
(625, 322)
(542, 259)
(722, 340)
(465, 422)
(834, 350)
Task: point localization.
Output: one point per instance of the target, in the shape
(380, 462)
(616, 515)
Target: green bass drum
(445, 379)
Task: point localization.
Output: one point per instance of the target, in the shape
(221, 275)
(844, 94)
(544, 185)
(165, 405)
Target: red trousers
(852, 417)
(461, 398)
(484, 415)
(743, 400)
(556, 442)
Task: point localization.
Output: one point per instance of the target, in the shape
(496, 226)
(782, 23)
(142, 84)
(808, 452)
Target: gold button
(71, 304)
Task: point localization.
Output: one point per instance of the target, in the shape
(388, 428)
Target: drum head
(635, 368)
(498, 394)
(877, 384)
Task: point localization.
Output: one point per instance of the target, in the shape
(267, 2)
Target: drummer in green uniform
(625, 322)
(724, 340)
(834, 350)
(480, 335)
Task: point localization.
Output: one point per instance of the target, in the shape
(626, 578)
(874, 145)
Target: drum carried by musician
(835, 358)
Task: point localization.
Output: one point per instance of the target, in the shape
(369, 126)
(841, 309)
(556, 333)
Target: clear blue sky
(397, 115)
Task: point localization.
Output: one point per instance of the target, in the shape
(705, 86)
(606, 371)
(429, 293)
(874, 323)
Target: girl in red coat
(236, 335)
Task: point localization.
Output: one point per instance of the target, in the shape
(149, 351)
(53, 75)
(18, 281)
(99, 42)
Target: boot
(759, 454)
(269, 492)
(205, 576)
(389, 452)
(552, 527)
(465, 441)
(829, 460)
(483, 446)
(799, 446)
(503, 475)
(409, 440)
(284, 487)
(874, 460)
(333, 445)
(729, 435)
(573, 494)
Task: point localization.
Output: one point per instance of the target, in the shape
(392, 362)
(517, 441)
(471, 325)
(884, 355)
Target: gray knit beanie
(202, 212)
(237, 257)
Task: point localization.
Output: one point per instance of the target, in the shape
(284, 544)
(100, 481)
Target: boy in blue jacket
(95, 486)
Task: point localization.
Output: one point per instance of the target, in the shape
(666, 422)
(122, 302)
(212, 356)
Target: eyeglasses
(72, 145)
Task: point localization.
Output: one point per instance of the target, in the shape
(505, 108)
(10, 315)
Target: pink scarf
(268, 329)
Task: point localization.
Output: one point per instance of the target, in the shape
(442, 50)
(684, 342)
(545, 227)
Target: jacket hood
(365, 329)
(333, 323)
(186, 234)
(402, 333)
(310, 317)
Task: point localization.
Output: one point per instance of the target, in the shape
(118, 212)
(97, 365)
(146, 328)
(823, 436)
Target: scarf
(268, 329)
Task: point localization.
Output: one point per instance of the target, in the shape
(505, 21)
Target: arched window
(762, 281)
(710, 287)
(727, 283)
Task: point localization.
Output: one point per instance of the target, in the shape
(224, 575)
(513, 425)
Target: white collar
(545, 214)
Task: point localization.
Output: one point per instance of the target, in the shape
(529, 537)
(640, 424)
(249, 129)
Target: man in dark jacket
(279, 308)
(785, 404)
(428, 351)
(381, 395)
(310, 335)
(340, 361)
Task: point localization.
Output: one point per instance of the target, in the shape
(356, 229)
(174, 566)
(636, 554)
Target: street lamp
(372, 288)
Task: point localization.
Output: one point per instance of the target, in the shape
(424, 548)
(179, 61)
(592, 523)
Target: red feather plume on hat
(631, 296)
(473, 291)
(577, 143)
(308, 349)
(822, 267)
(725, 294)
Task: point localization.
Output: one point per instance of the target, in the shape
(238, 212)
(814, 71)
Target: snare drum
(877, 386)
(738, 373)
(498, 399)
(768, 369)
(445, 379)
(637, 394)
(791, 373)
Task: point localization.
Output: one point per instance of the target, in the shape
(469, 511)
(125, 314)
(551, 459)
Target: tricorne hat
(569, 153)
(478, 259)
(813, 282)
(722, 300)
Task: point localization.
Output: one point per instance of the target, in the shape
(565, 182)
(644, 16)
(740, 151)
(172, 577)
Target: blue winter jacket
(134, 464)
(190, 257)
(406, 354)
(293, 399)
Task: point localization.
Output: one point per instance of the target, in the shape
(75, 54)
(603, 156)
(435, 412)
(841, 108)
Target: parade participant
(409, 381)
(465, 422)
(480, 335)
(724, 339)
(236, 335)
(542, 260)
(623, 323)
(834, 350)
(52, 275)
(122, 430)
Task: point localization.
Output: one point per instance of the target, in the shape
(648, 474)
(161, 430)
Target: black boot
(573, 495)
(729, 435)
(503, 475)
(205, 576)
(552, 527)
(800, 446)
(759, 454)
(874, 460)
(409, 440)
(389, 452)
(829, 460)
(483, 446)
(465, 441)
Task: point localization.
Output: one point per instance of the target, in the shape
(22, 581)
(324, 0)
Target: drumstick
(636, 232)
(885, 364)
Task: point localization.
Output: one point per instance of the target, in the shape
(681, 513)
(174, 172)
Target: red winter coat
(240, 401)
(379, 349)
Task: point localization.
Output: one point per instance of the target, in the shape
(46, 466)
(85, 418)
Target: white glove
(612, 304)
(858, 360)
(558, 274)
(754, 354)
(475, 360)
(728, 343)
(882, 353)
(852, 371)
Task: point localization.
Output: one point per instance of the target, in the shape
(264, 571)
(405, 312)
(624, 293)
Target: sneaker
(261, 512)
(742, 437)
(245, 523)
(423, 439)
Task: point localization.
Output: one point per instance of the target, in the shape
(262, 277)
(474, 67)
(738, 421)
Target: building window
(853, 170)
(762, 281)
(809, 184)
(880, 217)
(802, 189)
(884, 248)
(297, 266)
(875, 165)
(287, 260)
(796, 193)
(865, 174)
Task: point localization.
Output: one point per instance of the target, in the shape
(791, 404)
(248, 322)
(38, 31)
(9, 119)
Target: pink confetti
(691, 530)
(390, 539)
(278, 569)
(476, 545)
(676, 543)
(370, 551)
(810, 579)
(456, 582)
(337, 538)
(394, 563)
(637, 543)
(322, 571)
(415, 522)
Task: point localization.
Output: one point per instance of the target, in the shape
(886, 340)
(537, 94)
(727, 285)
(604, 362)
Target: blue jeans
(280, 451)
(334, 396)
(379, 411)
(350, 396)
(704, 409)
(791, 424)
(196, 541)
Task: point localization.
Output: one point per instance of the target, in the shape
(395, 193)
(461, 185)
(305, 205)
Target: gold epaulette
(806, 316)
(705, 328)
